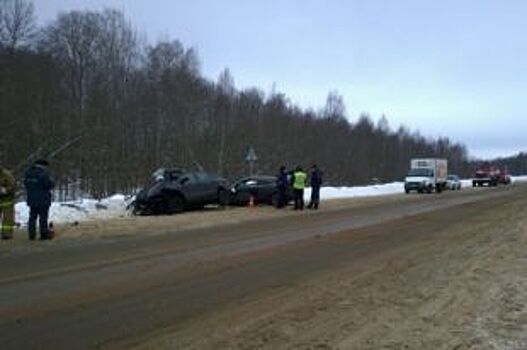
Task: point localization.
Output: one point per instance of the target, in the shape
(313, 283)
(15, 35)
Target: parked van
(426, 175)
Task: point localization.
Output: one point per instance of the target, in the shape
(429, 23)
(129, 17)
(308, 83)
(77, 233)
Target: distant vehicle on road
(484, 178)
(263, 188)
(176, 190)
(491, 177)
(453, 182)
(503, 177)
(426, 175)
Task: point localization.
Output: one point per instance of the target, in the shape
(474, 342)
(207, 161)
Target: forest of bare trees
(107, 110)
(516, 165)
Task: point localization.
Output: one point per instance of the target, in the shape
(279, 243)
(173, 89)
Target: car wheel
(174, 204)
(156, 208)
(223, 197)
(136, 211)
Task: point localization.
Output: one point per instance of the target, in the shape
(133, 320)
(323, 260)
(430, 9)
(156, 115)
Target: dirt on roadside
(208, 217)
(460, 286)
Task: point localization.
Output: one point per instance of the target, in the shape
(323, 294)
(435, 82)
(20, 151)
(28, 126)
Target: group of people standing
(38, 184)
(298, 180)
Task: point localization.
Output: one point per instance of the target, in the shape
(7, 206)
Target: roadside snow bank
(81, 210)
(519, 178)
(115, 206)
(359, 191)
(466, 183)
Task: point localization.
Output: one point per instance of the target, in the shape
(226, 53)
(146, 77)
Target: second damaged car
(263, 189)
(176, 190)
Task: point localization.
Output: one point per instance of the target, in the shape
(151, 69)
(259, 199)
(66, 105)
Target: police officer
(299, 181)
(316, 182)
(7, 203)
(38, 186)
(282, 183)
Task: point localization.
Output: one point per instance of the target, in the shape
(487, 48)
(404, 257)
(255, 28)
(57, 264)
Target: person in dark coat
(38, 185)
(282, 183)
(316, 183)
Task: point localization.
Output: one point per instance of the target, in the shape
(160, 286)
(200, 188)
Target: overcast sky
(455, 68)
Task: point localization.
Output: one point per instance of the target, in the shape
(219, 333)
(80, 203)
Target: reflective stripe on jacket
(6, 203)
(7, 229)
(8, 188)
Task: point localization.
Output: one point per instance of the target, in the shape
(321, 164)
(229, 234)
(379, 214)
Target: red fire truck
(491, 176)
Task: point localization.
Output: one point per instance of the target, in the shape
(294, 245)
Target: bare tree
(72, 40)
(335, 108)
(226, 95)
(17, 23)
(130, 109)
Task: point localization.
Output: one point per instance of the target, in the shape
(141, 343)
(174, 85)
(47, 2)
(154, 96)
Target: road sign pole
(251, 158)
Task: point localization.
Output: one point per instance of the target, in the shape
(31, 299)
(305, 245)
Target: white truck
(426, 175)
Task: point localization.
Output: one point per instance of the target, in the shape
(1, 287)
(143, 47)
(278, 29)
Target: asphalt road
(116, 292)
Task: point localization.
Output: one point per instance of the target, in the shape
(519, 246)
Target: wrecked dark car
(263, 189)
(176, 190)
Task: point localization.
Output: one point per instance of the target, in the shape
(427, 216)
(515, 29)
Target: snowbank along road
(419, 272)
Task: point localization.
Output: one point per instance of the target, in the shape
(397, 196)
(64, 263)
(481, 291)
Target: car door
(241, 192)
(208, 187)
(266, 188)
(191, 188)
(252, 185)
(244, 189)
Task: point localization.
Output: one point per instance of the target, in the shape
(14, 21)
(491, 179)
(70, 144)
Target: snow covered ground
(115, 206)
(358, 191)
(81, 210)
(519, 178)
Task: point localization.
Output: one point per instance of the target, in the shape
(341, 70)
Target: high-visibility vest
(299, 182)
(7, 213)
(8, 183)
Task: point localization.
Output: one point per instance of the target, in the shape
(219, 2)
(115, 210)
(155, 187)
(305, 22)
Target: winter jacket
(316, 178)
(282, 181)
(7, 187)
(38, 186)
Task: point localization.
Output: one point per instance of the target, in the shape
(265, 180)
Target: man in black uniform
(316, 183)
(282, 183)
(38, 187)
